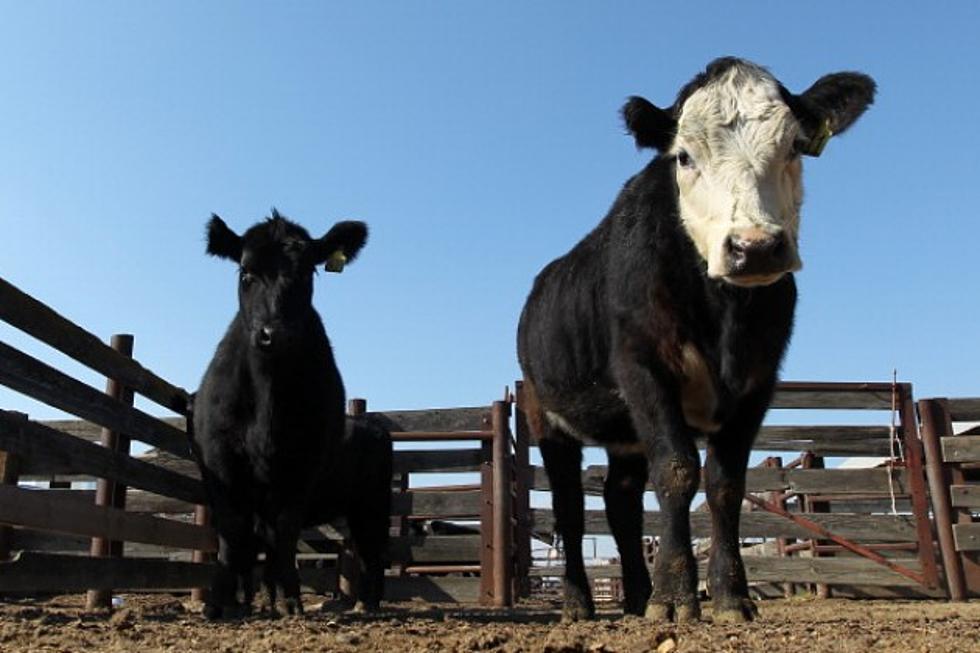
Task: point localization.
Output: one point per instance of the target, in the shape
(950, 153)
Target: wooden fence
(145, 526)
(953, 466)
(857, 528)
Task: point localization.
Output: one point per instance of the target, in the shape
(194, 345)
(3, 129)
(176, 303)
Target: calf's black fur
(275, 449)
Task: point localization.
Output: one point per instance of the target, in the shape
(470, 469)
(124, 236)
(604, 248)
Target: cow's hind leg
(370, 533)
(725, 469)
(623, 493)
(563, 463)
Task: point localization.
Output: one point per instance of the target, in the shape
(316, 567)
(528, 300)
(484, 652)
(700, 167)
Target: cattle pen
(80, 513)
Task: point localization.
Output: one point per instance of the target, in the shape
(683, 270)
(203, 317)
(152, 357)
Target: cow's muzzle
(757, 258)
(265, 338)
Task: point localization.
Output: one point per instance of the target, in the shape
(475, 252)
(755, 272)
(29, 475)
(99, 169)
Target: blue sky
(479, 141)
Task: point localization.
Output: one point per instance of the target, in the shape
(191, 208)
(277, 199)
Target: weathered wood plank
(440, 460)
(825, 440)
(879, 528)
(967, 537)
(961, 448)
(92, 432)
(761, 479)
(136, 501)
(426, 504)
(437, 504)
(436, 419)
(35, 442)
(40, 381)
(831, 571)
(41, 510)
(435, 548)
(40, 321)
(964, 409)
(791, 394)
(433, 589)
(39, 572)
(965, 496)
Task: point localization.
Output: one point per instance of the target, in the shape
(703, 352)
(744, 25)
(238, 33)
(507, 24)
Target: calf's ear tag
(819, 140)
(336, 262)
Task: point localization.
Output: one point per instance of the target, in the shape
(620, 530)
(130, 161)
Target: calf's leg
(675, 467)
(623, 494)
(725, 469)
(563, 463)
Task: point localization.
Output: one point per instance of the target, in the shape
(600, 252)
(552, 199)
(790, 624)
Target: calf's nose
(264, 337)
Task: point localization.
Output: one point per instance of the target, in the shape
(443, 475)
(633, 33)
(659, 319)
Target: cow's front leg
(725, 469)
(236, 558)
(623, 494)
(563, 462)
(675, 469)
(280, 538)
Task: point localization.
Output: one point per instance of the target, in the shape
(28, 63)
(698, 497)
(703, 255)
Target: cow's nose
(264, 338)
(748, 255)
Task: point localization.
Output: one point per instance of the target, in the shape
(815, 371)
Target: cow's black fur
(600, 344)
(269, 423)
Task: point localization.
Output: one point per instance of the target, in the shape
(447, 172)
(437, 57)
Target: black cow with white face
(668, 322)
(270, 435)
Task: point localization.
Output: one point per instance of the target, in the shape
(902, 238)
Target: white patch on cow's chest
(699, 398)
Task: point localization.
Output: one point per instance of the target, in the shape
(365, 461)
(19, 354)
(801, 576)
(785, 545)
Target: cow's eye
(246, 279)
(684, 159)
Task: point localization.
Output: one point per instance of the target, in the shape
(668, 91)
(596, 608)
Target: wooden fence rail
(853, 504)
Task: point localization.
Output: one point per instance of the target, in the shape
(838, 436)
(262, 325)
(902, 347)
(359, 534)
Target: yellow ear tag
(336, 262)
(819, 141)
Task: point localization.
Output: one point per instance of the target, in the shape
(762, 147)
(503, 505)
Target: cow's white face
(735, 135)
(739, 177)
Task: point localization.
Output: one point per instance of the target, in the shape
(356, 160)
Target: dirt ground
(151, 623)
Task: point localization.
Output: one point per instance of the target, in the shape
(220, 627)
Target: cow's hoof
(294, 606)
(574, 611)
(734, 611)
(666, 612)
(213, 612)
(366, 607)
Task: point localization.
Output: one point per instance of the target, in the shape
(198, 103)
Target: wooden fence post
(917, 485)
(811, 461)
(108, 492)
(503, 530)
(779, 498)
(523, 480)
(486, 523)
(9, 475)
(936, 423)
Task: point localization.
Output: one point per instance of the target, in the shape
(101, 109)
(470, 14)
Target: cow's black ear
(650, 125)
(222, 241)
(340, 245)
(839, 99)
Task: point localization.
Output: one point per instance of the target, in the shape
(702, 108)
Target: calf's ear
(222, 241)
(340, 245)
(833, 104)
(650, 125)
